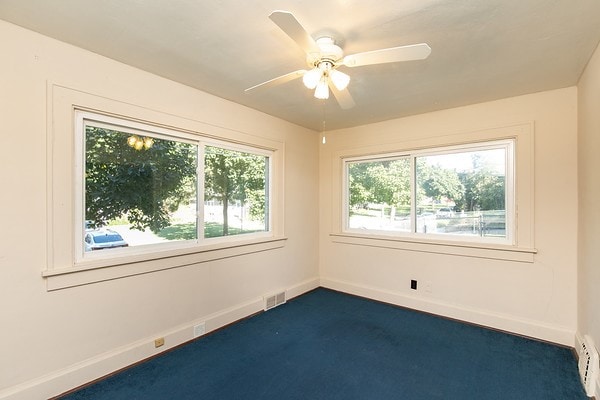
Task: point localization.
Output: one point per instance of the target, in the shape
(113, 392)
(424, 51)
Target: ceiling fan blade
(343, 97)
(279, 80)
(290, 25)
(393, 54)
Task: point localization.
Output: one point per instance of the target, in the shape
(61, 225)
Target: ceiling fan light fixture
(324, 56)
(339, 79)
(322, 90)
(311, 78)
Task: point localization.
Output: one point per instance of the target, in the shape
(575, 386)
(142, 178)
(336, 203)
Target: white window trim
(244, 149)
(86, 118)
(506, 144)
(62, 270)
(521, 245)
(83, 119)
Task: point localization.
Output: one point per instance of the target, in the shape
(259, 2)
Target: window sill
(104, 270)
(477, 250)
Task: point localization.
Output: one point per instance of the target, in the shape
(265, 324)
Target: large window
(143, 188)
(235, 192)
(459, 193)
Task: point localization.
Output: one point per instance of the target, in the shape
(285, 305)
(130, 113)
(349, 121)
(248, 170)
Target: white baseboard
(96, 367)
(578, 341)
(302, 288)
(521, 326)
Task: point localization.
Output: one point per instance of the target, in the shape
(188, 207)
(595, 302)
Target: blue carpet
(328, 345)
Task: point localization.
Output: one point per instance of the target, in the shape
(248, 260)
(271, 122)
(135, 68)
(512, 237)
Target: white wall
(532, 298)
(589, 201)
(52, 341)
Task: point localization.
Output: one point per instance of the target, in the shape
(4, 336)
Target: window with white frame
(142, 188)
(463, 193)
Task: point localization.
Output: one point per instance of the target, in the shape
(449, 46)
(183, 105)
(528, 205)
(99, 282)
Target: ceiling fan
(324, 58)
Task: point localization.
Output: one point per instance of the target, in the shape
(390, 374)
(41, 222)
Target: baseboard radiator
(588, 365)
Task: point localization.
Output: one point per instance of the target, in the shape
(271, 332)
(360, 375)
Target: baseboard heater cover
(588, 365)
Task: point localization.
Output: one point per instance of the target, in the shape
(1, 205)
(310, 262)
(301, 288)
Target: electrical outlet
(413, 284)
(159, 342)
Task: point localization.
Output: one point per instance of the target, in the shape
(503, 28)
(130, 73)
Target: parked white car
(444, 212)
(99, 239)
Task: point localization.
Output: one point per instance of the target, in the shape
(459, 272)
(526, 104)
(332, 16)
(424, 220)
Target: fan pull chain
(323, 139)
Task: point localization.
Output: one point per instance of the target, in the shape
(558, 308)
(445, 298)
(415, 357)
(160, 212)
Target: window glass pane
(235, 192)
(379, 195)
(462, 193)
(139, 189)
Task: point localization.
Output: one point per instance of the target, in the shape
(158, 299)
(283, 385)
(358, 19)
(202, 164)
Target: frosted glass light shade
(339, 79)
(311, 78)
(322, 90)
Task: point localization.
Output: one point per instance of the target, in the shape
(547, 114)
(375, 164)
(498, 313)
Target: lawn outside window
(113, 165)
(461, 193)
(141, 188)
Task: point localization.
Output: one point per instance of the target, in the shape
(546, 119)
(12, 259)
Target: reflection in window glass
(139, 189)
(379, 195)
(462, 193)
(235, 192)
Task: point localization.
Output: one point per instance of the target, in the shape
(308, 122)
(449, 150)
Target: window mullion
(413, 194)
(267, 216)
(200, 175)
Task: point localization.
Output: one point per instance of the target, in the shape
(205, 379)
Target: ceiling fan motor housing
(329, 52)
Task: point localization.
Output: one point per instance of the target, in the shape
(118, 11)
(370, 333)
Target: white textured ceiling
(481, 49)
